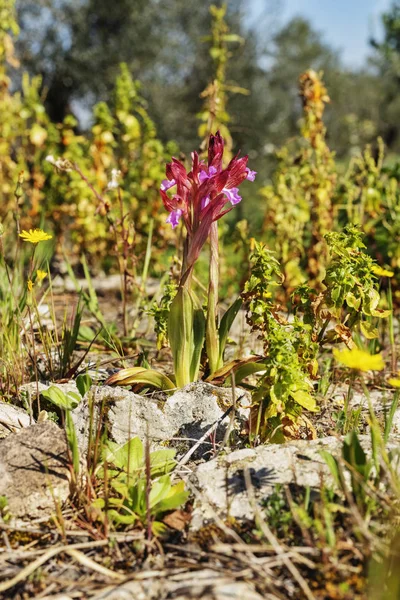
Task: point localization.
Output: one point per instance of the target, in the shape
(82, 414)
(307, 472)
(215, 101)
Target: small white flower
(113, 184)
(62, 164)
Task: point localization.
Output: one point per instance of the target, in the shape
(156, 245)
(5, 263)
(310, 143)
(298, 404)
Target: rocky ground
(228, 484)
(222, 546)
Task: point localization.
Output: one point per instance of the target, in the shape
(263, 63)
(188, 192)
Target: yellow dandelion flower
(377, 270)
(359, 359)
(34, 236)
(30, 285)
(395, 381)
(40, 275)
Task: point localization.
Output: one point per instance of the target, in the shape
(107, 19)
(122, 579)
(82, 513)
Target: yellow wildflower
(40, 275)
(30, 285)
(34, 236)
(377, 270)
(395, 381)
(359, 359)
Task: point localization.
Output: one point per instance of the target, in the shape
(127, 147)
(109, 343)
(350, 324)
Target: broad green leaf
(304, 399)
(83, 383)
(226, 324)
(162, 462)
(174, 499)
(60, 398)
(247, 370)
(159, 489)
(129, 456)
(199, 328)
(141, 375)
(368, 330)
(121, 519)
(180, 335)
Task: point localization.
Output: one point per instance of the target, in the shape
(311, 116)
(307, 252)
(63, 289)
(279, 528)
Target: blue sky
(345, 24)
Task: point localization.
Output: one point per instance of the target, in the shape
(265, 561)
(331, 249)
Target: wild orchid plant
(200, 198)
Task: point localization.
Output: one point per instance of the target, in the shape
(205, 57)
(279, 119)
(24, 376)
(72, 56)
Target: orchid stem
(212, 338)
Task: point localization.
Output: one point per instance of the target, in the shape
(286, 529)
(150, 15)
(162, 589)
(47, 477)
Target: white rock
(13, 418)
(221, 481)
(34, 470)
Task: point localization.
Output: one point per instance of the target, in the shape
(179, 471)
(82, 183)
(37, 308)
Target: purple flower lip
(233, 195)
(174, 217)
(202, 193)
(166, 184)
(207, 173)
(251, 175)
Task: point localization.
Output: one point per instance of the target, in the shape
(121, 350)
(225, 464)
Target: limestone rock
(188, 413)
(12, 419)
(205, 583)
(33, 470)
(221, 485)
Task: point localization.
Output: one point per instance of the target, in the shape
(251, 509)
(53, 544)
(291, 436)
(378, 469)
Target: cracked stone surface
(12, 419)
(221, 485)
(34, 471)
(206, 584)
(188, 413)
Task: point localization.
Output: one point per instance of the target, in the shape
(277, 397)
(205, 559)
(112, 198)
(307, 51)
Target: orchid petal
(174, 217)
(233, 195)
(251, 175)
(205, 202)
(166, 184)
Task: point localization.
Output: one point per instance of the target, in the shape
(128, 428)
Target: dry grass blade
(93, 565)
(213, 427)
(280, 551)
(31, 568)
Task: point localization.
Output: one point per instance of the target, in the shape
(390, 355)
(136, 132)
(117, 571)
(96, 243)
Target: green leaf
(226, 324)
(120, 519)
(129, 456)
(72, 440)
(333, 465)
(352, 301)
(353, 453)
(199, 328)
(174, 499)
(304, 399)
(141, 375)
(224, 372)
(56, 396)
(162, 462)
(247, 370)
(83, 383)
(368, 330)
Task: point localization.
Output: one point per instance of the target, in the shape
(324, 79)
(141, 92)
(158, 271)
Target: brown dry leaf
(225, 371)
(345, 335)
(302, 428)
(177, 520)
(317, 303)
